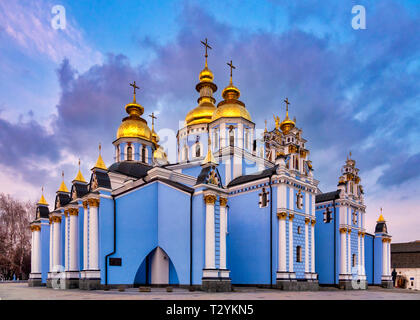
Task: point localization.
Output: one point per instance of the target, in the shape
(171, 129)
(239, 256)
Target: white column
(343, 250)
(223, 135)
(307, 204)
(210, 236)
(57, 243)
(240, 135)
(313, 245)
(32, 250)
(50, 256)
(359, 251)
(74, 240)
(363, 254)
(282, 242)
(66, 240)
(85, 236)
(307, 221)
(384, 257)
(93, 234)
(313, 205)
(223, 202)
(291, 249)
(388, 244)
(349, 251)
(228, 170)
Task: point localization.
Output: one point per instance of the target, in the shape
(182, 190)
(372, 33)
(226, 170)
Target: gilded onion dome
(204, 111)
(286, 125)
(134, 126)
(231, 107)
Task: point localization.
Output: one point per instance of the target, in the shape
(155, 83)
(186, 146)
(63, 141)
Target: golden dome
(134, 128)
(200, 114)
(231, 110)
(206, 75)
(42, 200)
(287, 125)
(63, 187)
(160, 155)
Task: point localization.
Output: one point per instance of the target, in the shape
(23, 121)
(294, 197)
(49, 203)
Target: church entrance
(156, 269)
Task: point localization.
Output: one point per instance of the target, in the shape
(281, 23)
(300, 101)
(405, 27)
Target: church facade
(234, 209)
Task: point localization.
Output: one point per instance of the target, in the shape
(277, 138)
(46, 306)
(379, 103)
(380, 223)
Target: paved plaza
(21, 291)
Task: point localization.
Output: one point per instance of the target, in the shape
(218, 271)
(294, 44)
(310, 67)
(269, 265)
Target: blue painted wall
(369, 239)
(45, 249)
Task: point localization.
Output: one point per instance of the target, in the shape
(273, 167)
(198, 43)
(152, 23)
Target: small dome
(201, 114)
(206, 75)
(133, 127)
(287, 125)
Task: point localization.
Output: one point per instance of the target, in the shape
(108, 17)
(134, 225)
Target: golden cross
(207, 46)
(134, 88)
(153, 118)
(231, 67)
(287, 105)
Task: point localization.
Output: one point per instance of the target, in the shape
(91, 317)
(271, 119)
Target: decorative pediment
(213, 178)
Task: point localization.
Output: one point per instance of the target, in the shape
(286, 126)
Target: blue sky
(63, 91)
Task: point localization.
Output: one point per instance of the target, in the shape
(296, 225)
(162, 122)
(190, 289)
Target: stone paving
(21, 291)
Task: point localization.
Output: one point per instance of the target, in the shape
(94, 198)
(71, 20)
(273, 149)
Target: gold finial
(100, 164)
(287, 107)
(63, 187)
(42, 200)
(134, 90)
(381, 217)
(209, 159)
(231, 68)
(206, 46)
(265, 121)
(153, 119)
(79, 176)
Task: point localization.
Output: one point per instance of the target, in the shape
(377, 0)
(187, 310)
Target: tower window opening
(129, 153)
(216, 140)
(143, 154)
(353, 260)
(327, 215)
(298, 254)
(231, 138)
(197, 150)
(263, 198)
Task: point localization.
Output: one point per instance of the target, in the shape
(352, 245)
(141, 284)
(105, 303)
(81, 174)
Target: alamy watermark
(59, 19)
(359, 20)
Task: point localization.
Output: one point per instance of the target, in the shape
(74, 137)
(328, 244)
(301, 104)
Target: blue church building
(233, 210)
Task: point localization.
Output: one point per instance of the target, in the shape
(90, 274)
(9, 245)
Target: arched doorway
(156, 269)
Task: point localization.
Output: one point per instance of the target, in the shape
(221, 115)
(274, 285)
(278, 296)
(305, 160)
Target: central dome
(231, 110)
(200, 114)
(134, 128)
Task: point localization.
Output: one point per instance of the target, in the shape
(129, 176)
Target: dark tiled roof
(42, 212)
(405, 255)
(252, 177)
(81, 189)
(130, 168)
(381, 227)
(64, 199)
(103, 180)
(175, 184)
(328, 196)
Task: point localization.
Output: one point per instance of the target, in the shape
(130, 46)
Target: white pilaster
(223, 202)
(359, 251)
(93, 234)
(74, 240)
(223, 135)
(210, 235)
(51, 246)
(343, 251)
(66, 240)
(36, 249)
(240, 136)
(307, 221)
(57, 243)
(291, 248)
(363, 254)
(85, 236)
(282, 242)
(384, 258)
(349, 251)
(313, 245)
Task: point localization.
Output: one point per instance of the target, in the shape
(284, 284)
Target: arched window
(216, 140)
(197, 150)
(353, 260)
(129, 153)
(298, 254)
(263, 198)
(297, 163)
(231, 137)
(143, 154)
(327, 215)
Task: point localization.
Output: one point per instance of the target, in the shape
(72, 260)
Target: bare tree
(15, 237)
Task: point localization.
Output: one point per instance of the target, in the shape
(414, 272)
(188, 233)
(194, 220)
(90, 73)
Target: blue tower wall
(378, 260)
(369, 240)
(324, 247)
(45, 249)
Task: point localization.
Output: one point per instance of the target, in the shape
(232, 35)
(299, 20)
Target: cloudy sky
(62, 91)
